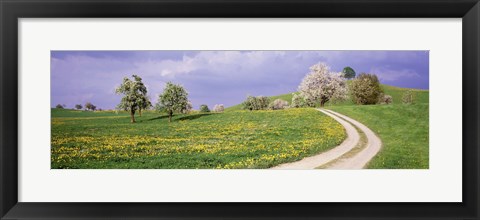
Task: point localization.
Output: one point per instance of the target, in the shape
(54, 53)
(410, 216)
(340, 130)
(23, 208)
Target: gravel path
(357, 161)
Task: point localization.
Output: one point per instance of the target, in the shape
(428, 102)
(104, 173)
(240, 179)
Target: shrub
(78, 106)
(365, 89)
(278, 104)
(256, 103)
(59, 106)
(218, 108)
(297, 101)
(204, 108)
(408, 97)
(385, 99)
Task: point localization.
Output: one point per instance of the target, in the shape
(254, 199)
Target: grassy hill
(403, 128)
(422, 96)
(237, 139)
(287, 97)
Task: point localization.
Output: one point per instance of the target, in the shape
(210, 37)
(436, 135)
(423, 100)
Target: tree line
(88, 106)
(174, 98)
(322, 85)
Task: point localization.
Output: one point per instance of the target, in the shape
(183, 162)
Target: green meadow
(403, 128)
(237, 139)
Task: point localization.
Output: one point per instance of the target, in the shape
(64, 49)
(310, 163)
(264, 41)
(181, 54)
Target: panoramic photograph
(283, 110)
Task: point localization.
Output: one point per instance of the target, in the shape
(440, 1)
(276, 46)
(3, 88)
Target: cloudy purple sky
(217, 77)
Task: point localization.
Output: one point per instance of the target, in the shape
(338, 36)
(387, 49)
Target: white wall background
(441, 183)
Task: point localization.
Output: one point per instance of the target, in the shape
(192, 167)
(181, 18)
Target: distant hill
(287, 97)
(397, 92)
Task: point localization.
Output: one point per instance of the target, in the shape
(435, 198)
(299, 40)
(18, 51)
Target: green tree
(78, 106)
(173, 99)
(59, 106)
(90, 106)
(204, 108)
(348, 72)
(134, 96)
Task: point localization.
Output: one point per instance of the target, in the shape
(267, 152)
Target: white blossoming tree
(188, 108)
(218, 108)
(320, 85)
(173, 99)
(278, 104)
(134, 96)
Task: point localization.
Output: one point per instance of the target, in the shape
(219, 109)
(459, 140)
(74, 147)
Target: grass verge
(403, 129)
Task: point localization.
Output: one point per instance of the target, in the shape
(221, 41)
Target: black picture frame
(12, 10)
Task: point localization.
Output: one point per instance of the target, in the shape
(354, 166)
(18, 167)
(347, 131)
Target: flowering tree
(173, 99)
(385, 99)
(143, 101)
(298, 101)
(278, 104)
(256, 103)
(320, 85)
(188, 108)
(134, 96)
(218, 108)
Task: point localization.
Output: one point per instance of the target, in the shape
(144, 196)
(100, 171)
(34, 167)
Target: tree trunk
(140, 112)
(323, 101)
(170, 114)
(132, 116)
